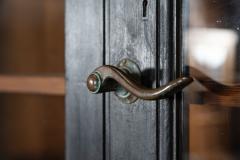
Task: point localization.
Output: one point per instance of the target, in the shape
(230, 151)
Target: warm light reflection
(213, 51)
(211, 47)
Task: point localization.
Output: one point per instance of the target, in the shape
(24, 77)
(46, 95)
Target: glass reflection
(213, 100)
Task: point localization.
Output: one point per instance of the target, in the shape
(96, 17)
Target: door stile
(84, 51)
(131, 129)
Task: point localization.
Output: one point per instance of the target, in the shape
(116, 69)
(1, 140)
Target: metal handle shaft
(107, 78)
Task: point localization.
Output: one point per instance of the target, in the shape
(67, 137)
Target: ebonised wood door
(98, 32)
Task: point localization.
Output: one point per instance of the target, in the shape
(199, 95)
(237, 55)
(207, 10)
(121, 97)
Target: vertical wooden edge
(167, 63)
(107, 141)
(104, 96)
(179, 72)
(183, 110)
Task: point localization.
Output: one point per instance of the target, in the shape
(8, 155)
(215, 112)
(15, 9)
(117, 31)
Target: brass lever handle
(120, 79)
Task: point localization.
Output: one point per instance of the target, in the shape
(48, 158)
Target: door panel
(105, 32)
(211, 54)
(131, 128)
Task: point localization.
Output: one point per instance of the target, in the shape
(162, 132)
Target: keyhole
(145, 3)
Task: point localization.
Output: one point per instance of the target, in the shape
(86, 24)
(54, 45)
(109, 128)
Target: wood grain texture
(84, 52)
(48, 85)
(106, 32)
(131, 129)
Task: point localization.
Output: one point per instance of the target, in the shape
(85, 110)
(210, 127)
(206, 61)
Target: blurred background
(212, 39)
(31, 45)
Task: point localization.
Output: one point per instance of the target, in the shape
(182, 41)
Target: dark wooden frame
(167, 111)
(87, 119)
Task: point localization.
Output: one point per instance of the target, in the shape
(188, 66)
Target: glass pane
(212, 102)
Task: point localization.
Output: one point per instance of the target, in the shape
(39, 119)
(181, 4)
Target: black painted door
(98, 32)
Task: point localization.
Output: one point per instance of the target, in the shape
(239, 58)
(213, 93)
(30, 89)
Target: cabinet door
(99, 32)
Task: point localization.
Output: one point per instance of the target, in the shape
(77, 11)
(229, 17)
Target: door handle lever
(124, 80)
